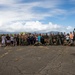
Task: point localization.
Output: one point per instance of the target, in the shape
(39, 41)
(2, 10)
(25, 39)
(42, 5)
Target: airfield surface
(37, 60)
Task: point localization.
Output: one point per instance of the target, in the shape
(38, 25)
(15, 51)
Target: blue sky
(37, 15)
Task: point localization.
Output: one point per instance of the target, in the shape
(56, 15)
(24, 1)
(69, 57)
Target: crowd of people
(37, 39)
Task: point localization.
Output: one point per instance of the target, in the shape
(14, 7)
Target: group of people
(37, 39)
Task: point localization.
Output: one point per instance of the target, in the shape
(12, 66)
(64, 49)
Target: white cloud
(23, 11)
(69, 28)
(50, 3)
(6, 2)
(34, 26)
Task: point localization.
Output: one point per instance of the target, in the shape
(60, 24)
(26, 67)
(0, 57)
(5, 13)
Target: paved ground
(37, 60)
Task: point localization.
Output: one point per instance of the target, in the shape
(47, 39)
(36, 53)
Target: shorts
(12, 42)
(8, 41)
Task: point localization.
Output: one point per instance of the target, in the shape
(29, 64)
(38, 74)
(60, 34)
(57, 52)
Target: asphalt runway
(37, 60)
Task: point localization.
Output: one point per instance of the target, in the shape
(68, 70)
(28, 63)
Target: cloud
(69, 28)
(6, 2)
(34, 26)
(24, 11)
(14, 11)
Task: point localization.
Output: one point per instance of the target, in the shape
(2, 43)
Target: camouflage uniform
(54, 40)
(58, 40)
(50, 40)
(74, 38)
(46, 39)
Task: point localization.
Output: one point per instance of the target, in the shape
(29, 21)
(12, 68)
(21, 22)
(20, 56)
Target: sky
(37, 15)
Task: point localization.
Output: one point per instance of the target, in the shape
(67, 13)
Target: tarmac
(37, 60)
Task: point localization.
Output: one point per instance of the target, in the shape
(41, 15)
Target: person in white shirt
(12, 39)
(3, 40)
(67, 37)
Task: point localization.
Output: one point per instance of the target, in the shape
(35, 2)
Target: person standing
(15, 42)
(7, 40)
(12, 40)
(51, 39)
(0, 40)
(67, 38)
(17, 39)
(39, 38)
(74, 38)
(58, 39)
(3, 40)
(71, 38)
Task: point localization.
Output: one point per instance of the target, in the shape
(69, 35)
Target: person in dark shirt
(7, 40)
(17, 39)
(62, 38)
(42, 39)
(74, 38)
(58, 39)
(51, 39)
(46, 38)
(28, 39)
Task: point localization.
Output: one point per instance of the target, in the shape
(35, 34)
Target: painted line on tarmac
(6, 48)
(43, 47)
(4, 54)
(19, 49)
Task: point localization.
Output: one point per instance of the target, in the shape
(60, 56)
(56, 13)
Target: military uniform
(58, 40)
(50, 40)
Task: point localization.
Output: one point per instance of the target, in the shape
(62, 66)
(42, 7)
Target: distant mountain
(9, 32)
(51, 32)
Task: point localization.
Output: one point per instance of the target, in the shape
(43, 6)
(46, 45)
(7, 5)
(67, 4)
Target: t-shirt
(71, 36)
(12, 38)
(3, 39)
(8, 37)
(67, 37)
(39, 38)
